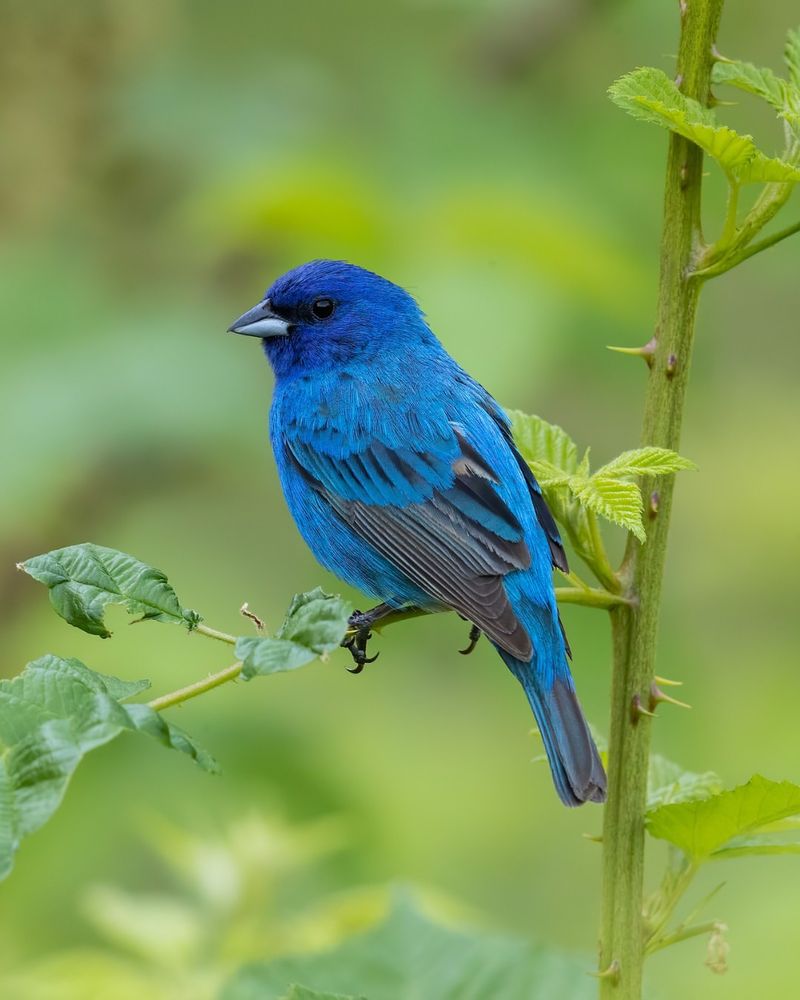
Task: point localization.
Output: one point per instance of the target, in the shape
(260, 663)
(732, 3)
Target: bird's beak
(261, 321)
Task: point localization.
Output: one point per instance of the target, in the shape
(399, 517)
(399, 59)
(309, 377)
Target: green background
(160, 165)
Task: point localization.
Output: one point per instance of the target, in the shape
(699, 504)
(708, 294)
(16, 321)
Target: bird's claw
(357, 642)
(474, 635)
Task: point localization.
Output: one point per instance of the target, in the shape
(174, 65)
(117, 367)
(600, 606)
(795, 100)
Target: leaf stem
(199, 687)
(635, 626)
(601, 565)
(589, 597)
(213, 633)
(683, 934)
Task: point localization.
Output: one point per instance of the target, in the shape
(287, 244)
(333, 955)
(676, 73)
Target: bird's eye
(322, 308)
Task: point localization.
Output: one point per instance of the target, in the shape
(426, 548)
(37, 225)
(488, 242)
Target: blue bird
(403, 478)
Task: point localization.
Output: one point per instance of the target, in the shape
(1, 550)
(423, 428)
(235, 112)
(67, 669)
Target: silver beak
(260, 321)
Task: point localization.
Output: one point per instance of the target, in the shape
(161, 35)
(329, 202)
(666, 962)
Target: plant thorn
(657, 696)
(647, 351)
(611, 973)
(667, 682)
(672, 365)
(638, 709)
(655, 502)
(594, 838)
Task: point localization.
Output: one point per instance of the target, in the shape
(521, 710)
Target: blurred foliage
(160, 165)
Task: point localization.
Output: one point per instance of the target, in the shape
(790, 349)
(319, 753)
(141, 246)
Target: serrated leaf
(616, 501)
(52, 714)
(745, 76)
(792, 55)
(315, 625)
(539, 441)
(408, 957)
(766, 170)
(650, 461)
(548, 475)
(650, 95)
(316, 620)
(83, 579)
(669, 782)
(701, 828)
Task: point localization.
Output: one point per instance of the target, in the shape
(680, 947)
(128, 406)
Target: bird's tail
(574, 761)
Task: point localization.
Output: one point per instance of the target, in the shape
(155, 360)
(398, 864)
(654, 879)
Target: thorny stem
(634, 627)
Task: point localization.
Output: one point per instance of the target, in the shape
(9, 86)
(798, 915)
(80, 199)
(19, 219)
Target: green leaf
(669, 782)
(702, 827)
(765, 169)
(409, 958)
(617, 501)
(540, 442)
(650, 95)
(649, 461)
(297, 992)
(782, 842)
(83, 579)
(52, 714)
(762, 83)
(792, 55)
(315, 625)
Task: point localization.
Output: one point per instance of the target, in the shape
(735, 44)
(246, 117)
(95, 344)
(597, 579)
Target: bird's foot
(474, 634)
(357, 638)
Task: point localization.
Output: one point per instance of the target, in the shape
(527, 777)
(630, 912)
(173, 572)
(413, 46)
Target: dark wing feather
(545, 518)
(455, 540)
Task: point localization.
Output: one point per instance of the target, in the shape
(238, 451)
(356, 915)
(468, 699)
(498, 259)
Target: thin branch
(199, 687)
(726, 263)
(589, 597)
(213, 633)
(682, 934)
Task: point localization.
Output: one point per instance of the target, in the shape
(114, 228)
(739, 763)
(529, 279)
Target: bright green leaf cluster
(83, 579)
(314, 626)
(52, 714)
(650, 95)
(572, 491)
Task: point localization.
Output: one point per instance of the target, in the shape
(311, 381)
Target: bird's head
(327, 314)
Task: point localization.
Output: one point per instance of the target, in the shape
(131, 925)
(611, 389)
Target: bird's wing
(432, 510)
(543, 515)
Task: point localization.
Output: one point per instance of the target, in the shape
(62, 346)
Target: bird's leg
(474, 634)
(360, 627)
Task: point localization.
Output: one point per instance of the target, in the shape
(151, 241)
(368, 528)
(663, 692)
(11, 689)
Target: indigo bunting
(403, 478)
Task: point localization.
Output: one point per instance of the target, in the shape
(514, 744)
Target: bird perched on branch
(402, 475)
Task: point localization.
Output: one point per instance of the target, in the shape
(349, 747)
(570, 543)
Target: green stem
(212, 633)
(634, 626)
(729, 229)
(684, 933)
(589, 597)
(601, 565)
(199, 687)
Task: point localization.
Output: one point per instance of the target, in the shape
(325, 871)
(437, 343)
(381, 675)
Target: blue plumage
(403, 478)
